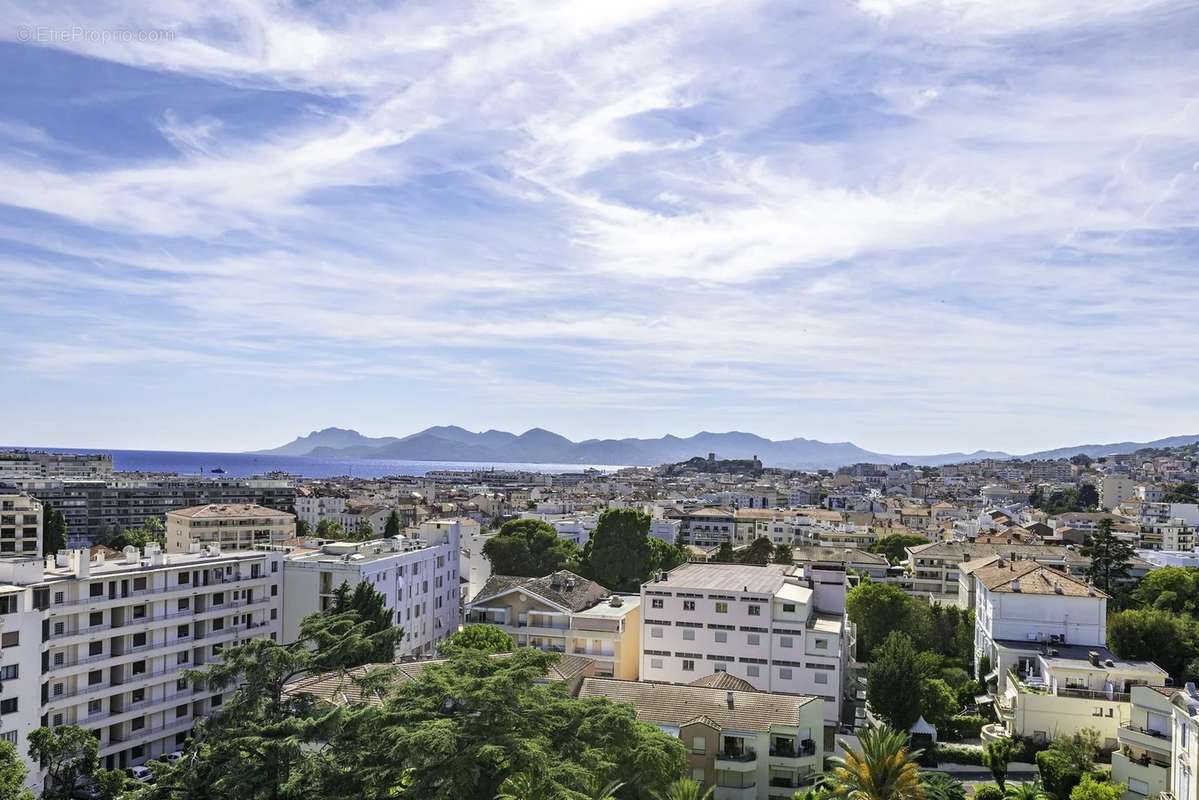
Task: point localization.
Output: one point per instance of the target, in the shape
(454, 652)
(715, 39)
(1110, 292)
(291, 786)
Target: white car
(173, 756)
(142, 774)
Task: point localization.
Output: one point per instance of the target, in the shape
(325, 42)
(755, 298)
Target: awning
(983, 699)
(992, 675)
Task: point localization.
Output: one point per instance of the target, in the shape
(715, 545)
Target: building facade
(239, 526)
(20, 526)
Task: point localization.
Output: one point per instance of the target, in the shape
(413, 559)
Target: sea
(241, 465)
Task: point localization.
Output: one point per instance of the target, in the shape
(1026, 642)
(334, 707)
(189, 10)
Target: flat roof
(766, 579)
(606, 610)
(228, 511)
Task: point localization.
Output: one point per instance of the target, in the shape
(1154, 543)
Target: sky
(917, 225)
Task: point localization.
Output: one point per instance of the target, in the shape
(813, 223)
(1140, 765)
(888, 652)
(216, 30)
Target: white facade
(417, 578)
(20, 526)
(106, 642)
(1114, 490)
(762, 624)
(313, 508)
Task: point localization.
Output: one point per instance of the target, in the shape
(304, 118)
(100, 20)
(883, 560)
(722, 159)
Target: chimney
(1093, 657)
(1057, 588)
(728, 698)
(1015, 584)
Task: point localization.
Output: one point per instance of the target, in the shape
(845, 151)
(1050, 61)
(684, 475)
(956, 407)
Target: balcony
(786, 754)
(1154, 772)
(737, 760)
(1143, 738)
(736, 792)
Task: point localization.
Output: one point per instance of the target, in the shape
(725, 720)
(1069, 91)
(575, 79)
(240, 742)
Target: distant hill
(539, 446)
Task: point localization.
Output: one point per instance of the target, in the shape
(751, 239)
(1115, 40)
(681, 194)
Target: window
(722, 636)
(137, 724)
(183, 631)
(181, 658)
(59, 628)
(95, 590)
(218, 598)
(821, 644)
(139, 640)
(688, 665)
(822, 677)
(57, 720)
(755, 611)
(94, 706)
(181, 711)
(10, 639)
(722, 608)
(94, 677)
(8, 706)
(181, 684)
(697, 774)
(274, 589)
(185, 577)
(139, 667)
(688, 605)
(139, 612)
(139, 584)
(656, 602)
(655, 633)
(699, 744)
(217, 700)
(138, 695)
(786, 641)
(95, 618)
(58, 597)
(784, 673)
(688, 634)
(95, 648)
(753, 638)
(655, 663)
(58, 689)
(8, 672)
(788, 608)
(753, 671)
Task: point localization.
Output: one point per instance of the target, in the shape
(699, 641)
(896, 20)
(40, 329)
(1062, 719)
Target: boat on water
(218, 471)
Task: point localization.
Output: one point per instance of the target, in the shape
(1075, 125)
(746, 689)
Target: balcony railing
(740, 756)
(1163, 735)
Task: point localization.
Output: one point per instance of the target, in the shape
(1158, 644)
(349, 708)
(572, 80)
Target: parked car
(173, 756)
(142, 774)
(85, 789)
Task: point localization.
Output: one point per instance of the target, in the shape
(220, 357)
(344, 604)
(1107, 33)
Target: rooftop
(1030, 577)
(766, 579)
(674, 704)
(563, 588)
(228, 511)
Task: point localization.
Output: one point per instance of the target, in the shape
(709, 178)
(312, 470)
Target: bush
(988, 791)
(966, 726)
(1025, 750)
(959, 754)
(1059, 775)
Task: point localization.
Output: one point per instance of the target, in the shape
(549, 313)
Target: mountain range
(539, 446)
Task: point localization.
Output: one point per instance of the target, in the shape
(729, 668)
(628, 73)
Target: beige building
(235, 526)
(1142, 759)
(744, 744)
(565, 613)
(20, 526)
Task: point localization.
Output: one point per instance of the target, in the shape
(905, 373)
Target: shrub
(966, 726)
(959, 754)
(1059, 774)
(988, 791)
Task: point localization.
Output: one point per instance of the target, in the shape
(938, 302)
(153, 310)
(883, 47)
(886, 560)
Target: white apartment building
(20, 526)
(1114, 490)
(1184, 744)
(781, 628)
(106, 641)
(312, 508)
(234, 526)
(418, 579)
(31, 464)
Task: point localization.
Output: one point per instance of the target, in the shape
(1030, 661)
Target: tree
(152, 531)
(725, 553)
(1081, 460)
(894, 546)
(1088, 497)
(1109, 556)
(940, 786)
(529, 548)
(1174, 589)
(618, 555)
(877, 609)
(665, 556)
(66, 753)
(12, 774)
(938, 703)
(1150, 634)
(988, 791)
(54, 530)
(996, 756)
(1032, 790)
(328, 529)
(783, 553)
(1092, 788)
(685, 789)
(303, 529)
(370, 609)
(893, 682)
(482, 638)
(884, 769)
(364, 532)
(759, 552)
(391, 528)
(1185, 492)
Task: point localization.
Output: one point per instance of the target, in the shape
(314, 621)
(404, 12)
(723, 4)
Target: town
(999, 623)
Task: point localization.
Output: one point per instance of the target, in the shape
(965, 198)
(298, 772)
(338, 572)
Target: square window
(753, 671)
(788, 608)
(722, 608)
(688, 605)
(822, 677)
(656, 602)
(822, 644)
(688, 634)
(688, 665)
(699, 744)
(655, 663)
(755, 611)
(655, 633)
(786, 641)
(722, 636)
(784, 673)
(753, 638)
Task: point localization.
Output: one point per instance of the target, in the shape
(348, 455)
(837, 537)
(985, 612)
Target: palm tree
(884, 769)
(940, 786)
(528, 786)
(1033, 790)
(685, 789)
(597, 792)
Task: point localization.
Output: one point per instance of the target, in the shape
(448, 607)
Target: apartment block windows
(784, 673)
(822, 677)
(788, 608)
(753, 638)
(722, 607)
(755, 611)
(688, 605)
(753, 670)
(688, 634)
(688, 665)
(722, 636)
(786, 641)
(8, 706)
(656, 603)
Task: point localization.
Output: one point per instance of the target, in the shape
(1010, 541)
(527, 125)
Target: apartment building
(34, 464)
(91, 506)
(1143, 758)
(1184, 744)
(418, 579)
(780, 628)
(1168, 526)
(239, 526)
(742, 744)
(564, 613)
(1114, 490)
(1044, 636)
(107, 640)
(708, 527)
(20, 526)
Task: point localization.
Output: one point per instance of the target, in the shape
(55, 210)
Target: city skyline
(914, 226)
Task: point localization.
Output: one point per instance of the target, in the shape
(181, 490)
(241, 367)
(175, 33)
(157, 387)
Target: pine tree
(1110, 557)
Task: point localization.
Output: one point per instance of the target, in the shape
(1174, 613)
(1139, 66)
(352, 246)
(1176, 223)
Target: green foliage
(966, 726)
(1063, 501)
(1173, 589)
(996, 755)
(1058, 774)
(65, 753)
(364, 532)
(529, 548)
(1110, 557)
(725, 554)
(303, 529)
(759, 552)
(1093, 788)
(783, 554)
(665, 556)
(893, 546)
(940, 786)
(480, 638)
(1032, 790)
(1081, 749)
(1170, 640)
(877, 609)
(369, 608)
(12, 774)
(1185, 492)
(54, 531)
(938, 703)
(893, 683)
(152, 531)
(884, 768)
(619, 555)
(988, 791)
(958, 754)
(391, 528)
(685, 789)
(328, 529)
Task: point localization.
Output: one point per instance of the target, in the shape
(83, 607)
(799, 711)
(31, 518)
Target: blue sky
(919, 226)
